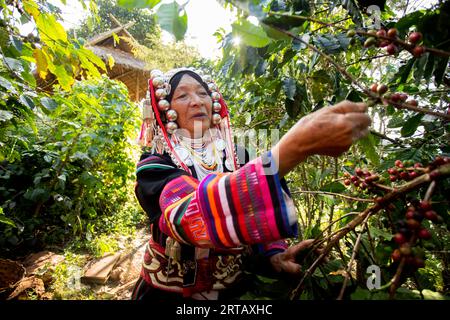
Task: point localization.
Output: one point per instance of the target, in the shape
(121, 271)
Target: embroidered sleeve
(226, 210)
(152, 175)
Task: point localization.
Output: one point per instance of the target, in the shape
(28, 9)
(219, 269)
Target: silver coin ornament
(212, 87)
(161, 93)
(215, 96)
(171, 127)
(158, 82)
(171, 115)
(220, 144)
(163, 105)
(216, 118)
(156, 73)
(207, 78)
(217, 107)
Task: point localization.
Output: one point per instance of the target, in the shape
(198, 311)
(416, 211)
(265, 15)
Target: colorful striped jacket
(211, 223)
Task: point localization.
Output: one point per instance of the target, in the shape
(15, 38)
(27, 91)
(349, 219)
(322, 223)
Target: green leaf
(289, 86)
(27, 101)
(64, 79)
(368, 147)
(419, 68)
(353, 10)
(404, 71)
(439, 71)
(50, 30)
(335, 187)
(5, 115)
(4, 219)
(49, 103)
(411, 125)
(138, 4)
(380, 233)
(169, 19)
(250, 34)
(5, 83)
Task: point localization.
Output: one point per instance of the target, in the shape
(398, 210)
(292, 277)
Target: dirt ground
(37, 274)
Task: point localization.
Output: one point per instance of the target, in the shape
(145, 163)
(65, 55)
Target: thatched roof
(127, 68)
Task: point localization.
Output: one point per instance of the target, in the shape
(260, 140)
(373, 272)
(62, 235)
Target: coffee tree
(384, 205)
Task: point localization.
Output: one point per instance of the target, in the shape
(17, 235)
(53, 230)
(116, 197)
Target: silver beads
(171, 127)
(156, 73)
(171, 115)
(158, 82)
(216, 118)
(212, 86)
(163, 105)
(207, 78)
(161, 93)
(217, 107)
(215, 96)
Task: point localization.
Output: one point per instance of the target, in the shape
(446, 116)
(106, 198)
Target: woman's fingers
(348, 107)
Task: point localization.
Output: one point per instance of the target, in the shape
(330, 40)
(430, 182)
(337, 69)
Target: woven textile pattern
(227, 210)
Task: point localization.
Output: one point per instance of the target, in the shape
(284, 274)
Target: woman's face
(194, 106)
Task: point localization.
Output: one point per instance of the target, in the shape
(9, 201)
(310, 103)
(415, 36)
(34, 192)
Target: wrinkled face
(194, 106)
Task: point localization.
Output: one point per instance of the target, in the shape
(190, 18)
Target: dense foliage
(67, 160)
(301, 57)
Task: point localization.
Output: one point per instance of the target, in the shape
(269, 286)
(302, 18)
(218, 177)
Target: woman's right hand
(329, 131)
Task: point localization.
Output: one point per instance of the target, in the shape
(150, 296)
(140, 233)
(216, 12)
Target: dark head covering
(176, 78)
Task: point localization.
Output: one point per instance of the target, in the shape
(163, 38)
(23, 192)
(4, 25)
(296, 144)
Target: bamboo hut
(127, 68)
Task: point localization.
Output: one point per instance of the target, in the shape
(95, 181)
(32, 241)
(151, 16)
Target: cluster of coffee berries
(398, 97)
(363, 179)
(406, 170)
(410, 230)
(385, 39)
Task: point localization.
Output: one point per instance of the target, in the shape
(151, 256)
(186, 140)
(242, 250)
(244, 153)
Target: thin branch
(376, 98)
(355, 251)
(385, 137)
(332, 194)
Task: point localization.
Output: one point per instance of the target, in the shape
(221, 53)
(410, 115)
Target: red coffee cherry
(405, 249)
(412, 224)
(393, 178)
(418, 51)
(396, 255)
(409, 215)
(413, 103)
(374, 87)
(359, 172)
(431, 215)
(381, 33)
(425, 205)
(424, 234)
(391, 49)
(415, 37)
(347, 182)
(398, 163)
(413, 175)
(404, 175)
(382, 89)
(403, 97)
(399, 238)
(392, 33)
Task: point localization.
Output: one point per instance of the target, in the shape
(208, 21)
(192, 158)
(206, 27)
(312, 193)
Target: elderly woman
(209, 208)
